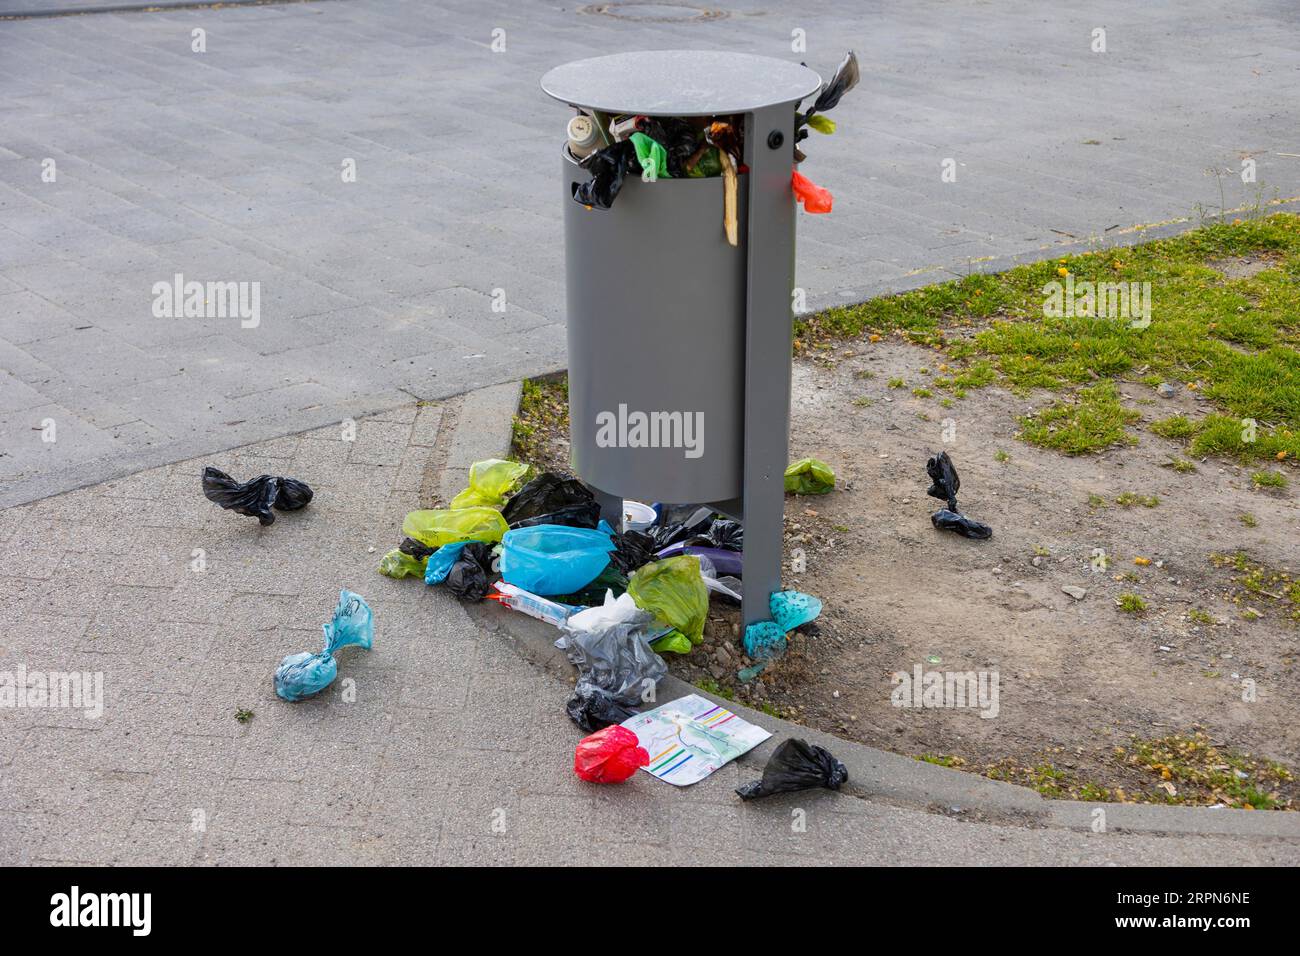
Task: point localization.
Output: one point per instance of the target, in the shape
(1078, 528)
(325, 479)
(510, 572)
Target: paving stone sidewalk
(227, 165)
(455, 749)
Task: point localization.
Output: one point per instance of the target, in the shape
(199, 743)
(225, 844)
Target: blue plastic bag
(440, 562)
(790, 609)
(765, 640)
(555, 559)
(302, 675)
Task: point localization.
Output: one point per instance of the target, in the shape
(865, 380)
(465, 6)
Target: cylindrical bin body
(656, 337)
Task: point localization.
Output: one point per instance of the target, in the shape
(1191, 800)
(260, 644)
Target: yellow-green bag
(673, 590)
(398, 564)
(490, 481)
(435, 528)
(809, 476)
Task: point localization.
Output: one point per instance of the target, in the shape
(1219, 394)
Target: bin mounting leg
(768, 346)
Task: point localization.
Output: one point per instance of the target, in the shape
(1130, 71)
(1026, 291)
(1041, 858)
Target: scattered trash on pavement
(302, 675)
(610, 755)
(616, 667)
(796, 765)
(944, 486)
(691, 737)
(809, 476)
(256, 497)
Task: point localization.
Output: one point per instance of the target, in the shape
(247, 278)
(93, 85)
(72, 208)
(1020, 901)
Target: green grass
(1092, 421)
(1268, 479)
(243, 716)
(1131, 603)
(1260, 584)
(1128, 499)
(1234, 341)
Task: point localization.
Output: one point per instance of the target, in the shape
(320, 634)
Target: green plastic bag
(490, 481)
(398, 564)
(710, 164)
(674, 591)
(650, 155)
(809, 476)
(438, 527)
(674, 641)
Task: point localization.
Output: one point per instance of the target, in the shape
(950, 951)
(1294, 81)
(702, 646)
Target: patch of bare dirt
(1077, 678)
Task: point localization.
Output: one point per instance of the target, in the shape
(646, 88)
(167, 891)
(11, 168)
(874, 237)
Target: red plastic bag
(609, 756)
(813, 197)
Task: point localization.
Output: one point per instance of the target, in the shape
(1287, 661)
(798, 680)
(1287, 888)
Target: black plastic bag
(631, 550)
(723, 533)
(546, 494)
(678, 138)
(796, 765)
(668, 532)
(944, 486)
(943, 474)
(256, 497)
(946, 520)
(846, 77)
(468, 577)
(416, 549)
(592, 709)
(585, 515)
(607, 166)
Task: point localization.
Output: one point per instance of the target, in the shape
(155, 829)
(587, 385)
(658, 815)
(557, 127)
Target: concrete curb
(157, 6)
(483, 429)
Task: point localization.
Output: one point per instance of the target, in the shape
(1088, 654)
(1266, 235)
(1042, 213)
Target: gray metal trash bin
(679, 343)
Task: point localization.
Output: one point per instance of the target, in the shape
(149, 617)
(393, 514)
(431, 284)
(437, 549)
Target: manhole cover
(653, 12)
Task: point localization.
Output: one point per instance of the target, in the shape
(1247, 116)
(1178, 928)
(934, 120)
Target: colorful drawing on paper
(691, 737)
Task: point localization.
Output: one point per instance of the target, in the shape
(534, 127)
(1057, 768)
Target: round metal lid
(680, 82)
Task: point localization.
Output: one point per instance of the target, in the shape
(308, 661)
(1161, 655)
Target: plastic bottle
(552, 612)
(583, 137)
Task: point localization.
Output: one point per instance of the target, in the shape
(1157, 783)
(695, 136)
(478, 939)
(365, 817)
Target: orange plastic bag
(813, 197)
(609, 756)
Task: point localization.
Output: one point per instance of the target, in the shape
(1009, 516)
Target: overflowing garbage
(944, 484)
(305, 674)
(610, 147)
(796, 765)
(257, 496)
(618, 598)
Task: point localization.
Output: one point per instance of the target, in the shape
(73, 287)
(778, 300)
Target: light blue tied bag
(302, 675)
